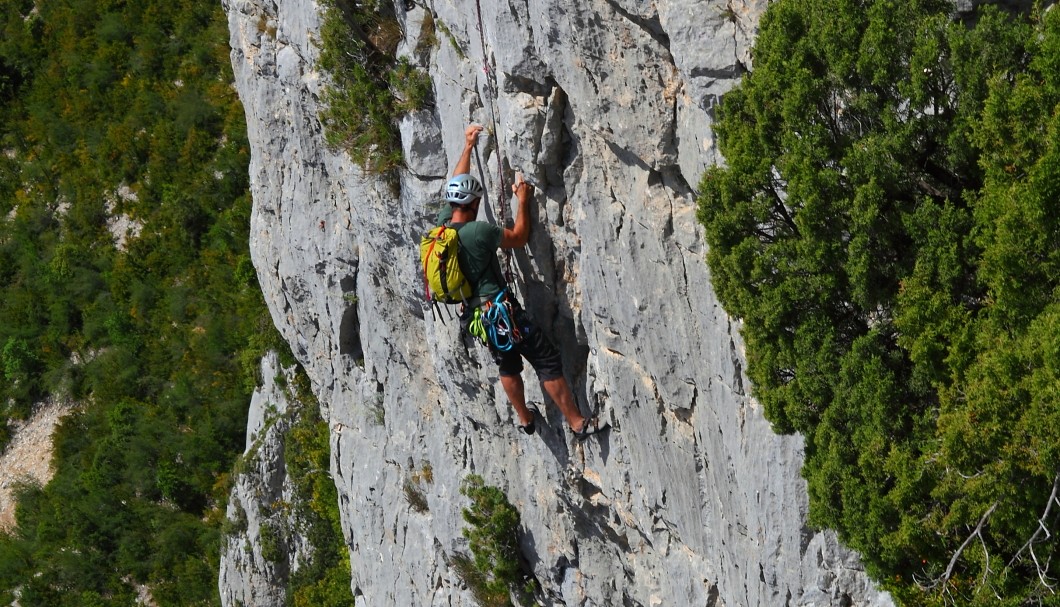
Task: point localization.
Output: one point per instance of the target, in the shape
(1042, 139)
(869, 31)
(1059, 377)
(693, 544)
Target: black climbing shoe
(530, 428)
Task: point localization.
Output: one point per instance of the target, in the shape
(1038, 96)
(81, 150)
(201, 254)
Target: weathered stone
(262, 546)
(606, 105)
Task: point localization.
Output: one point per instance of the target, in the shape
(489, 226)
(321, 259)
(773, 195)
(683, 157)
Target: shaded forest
(127, 290)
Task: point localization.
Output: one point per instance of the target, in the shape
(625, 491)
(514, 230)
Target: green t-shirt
(479, 242)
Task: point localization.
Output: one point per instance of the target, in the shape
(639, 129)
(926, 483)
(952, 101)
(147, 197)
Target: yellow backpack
(443, 278)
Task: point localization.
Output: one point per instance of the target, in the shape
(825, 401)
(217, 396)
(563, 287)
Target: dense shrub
(124, 109)
(497, 570)
(887, 227)
(369, 88)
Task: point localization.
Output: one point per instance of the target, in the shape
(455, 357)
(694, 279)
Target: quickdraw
(476, 327)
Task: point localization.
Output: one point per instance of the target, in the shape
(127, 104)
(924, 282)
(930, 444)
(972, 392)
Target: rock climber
(477, 255)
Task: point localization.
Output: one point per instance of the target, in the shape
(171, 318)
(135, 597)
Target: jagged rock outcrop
(261, 547)
(606, 104)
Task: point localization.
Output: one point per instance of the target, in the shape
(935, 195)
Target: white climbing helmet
(463, 189)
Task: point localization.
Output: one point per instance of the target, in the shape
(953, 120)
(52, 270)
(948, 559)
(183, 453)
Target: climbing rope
(500, 327)
(491, 98)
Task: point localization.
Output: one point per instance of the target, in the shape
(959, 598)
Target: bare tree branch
(986, 565)
(945, 577)
(1041, 572)
(1041, 521)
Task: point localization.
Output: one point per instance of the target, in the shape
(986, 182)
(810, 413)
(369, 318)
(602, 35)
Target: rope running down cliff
(491, 95)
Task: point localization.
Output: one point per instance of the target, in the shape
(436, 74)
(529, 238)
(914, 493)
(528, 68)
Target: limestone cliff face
(606, 104)
(257, 560)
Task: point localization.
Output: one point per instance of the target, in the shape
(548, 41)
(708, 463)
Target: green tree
(323, 580)
(369, 88)
(497, 570)
(887, 226)
(116, 108)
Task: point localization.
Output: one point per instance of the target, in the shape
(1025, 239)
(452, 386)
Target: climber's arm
(519, 234)
(470, 139)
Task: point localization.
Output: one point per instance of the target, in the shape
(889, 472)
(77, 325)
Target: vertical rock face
(261, 547)
(606, 105)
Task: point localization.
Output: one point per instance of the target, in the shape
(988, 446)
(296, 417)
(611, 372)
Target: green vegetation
(497, 570)
(108, 109)
(413, 488)
(310, 514)
(323, 581)
(888, 229)
(440, 26)
(370, 87)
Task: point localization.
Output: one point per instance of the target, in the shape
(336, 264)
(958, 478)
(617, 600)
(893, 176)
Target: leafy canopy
(124, 110)
(887, 226)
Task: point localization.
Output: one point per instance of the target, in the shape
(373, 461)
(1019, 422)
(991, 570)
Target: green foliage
(428, 40)
(20, 370)
(323, 581)
(270, 539)
(887, 227)
(497, 570)
(124, 109)
(370, 89)
(441, 26)
(411, 85)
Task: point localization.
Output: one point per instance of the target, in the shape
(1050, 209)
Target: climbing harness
(494, 323)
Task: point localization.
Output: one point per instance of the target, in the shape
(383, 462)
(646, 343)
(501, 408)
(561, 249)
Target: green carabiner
(475, 327)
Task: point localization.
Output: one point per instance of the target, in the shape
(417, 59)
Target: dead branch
(986, 564)
(1036, 538)
(1042, 528)
(945, 577)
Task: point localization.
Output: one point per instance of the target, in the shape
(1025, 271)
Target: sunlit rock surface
(606, 105)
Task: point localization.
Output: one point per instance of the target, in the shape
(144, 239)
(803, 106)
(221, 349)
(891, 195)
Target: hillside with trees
(887, 226)
(127, 288)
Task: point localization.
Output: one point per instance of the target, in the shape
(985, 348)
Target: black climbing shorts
(535, 347)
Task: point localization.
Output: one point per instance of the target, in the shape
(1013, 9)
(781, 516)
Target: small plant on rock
(415, 496)
(370, 88)
(496, 572)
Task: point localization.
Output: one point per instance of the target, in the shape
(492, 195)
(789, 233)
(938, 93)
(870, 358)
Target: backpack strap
(426, 283)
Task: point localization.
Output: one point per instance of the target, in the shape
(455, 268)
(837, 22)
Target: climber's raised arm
(463, 165)
(518, 235)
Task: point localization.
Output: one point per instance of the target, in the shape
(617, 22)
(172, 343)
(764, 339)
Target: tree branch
(1034, 539)
(780, 211)
(1041, 521)
(956, 555)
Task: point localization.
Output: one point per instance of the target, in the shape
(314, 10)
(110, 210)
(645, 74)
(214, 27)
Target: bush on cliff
(497, 571)
(369, 88)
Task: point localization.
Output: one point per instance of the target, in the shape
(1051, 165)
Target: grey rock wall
(261, 545)
(606, 105)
